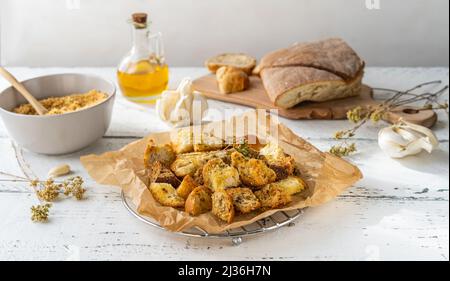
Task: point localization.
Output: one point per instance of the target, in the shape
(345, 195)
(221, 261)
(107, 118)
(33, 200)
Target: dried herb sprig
(49, 190)
(360, 116)
(39, 213)
(74, 186)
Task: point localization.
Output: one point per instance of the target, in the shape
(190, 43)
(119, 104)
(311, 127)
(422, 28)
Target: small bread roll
(231, 80)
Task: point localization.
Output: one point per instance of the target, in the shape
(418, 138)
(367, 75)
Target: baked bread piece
(208, 143)
(222, 206)
(231, 80)
(189, 163)
(199, 201)
(186, 186)
(167, 176)
(183, 142)
(318, 71)
(244, 200)
(217, 175)
(291, 185)
(289, 86)
(161, 153)
(243, 62)
(272, 197)
(252, 172)
(161, 174)
(277, 160)
(332, 55)
(166, 195)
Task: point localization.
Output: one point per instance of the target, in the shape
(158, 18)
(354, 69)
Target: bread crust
(231, 80)
(289, 86)
(332, 55)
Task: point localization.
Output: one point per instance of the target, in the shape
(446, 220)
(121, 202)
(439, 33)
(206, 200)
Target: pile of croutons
(226, 179)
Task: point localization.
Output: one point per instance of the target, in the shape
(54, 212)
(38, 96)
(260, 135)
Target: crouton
(161, 153)
(253, 172)
(189, 163)
(186, 187)
(218, 176)
(166, 195)
(277, 160)
(291, 185)
(272, 197)
(244, 200)
(222, 206)
(199, 201)
(184, 141)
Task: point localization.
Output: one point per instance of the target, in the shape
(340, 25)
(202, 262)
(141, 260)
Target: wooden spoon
(40, 109)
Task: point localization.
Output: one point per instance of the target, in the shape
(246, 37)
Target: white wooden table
(400, 210)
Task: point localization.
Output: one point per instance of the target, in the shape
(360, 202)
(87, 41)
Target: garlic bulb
(404, 139)
(182, 107)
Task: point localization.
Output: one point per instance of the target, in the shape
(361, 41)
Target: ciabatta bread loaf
(318, 71)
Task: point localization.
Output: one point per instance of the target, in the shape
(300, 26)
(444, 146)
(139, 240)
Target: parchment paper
(326, 175)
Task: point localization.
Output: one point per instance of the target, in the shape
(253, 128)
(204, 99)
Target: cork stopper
(139, 18)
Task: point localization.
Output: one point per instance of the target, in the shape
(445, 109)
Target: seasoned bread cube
(167, 176)
(166, 195)
(291, 185)
(189, 163)
(183, 142)
(218, 176)
(243, 62)
(272, 197)
(161, 153)
(199, 201)
(208, 143)
(231, 80)
(244, 200)
(277, 160)
(186, 187)
(222, 206)
(253, 172)
(161, 174)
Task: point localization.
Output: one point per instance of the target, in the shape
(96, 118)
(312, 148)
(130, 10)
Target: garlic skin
(405, 139)
(181, 107)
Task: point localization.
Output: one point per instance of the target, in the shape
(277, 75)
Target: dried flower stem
(360, 117)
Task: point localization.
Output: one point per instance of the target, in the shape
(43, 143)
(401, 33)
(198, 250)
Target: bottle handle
(157, 45)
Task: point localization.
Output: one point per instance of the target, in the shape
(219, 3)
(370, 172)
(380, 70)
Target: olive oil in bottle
(143, 74)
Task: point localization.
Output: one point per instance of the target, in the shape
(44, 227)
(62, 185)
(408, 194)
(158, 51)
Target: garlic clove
(429, 134)
(165, 103)
(405, 139)
(59, 171)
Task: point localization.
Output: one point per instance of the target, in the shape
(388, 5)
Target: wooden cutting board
(256, 96)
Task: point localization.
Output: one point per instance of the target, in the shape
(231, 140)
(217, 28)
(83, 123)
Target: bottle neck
(140, 39)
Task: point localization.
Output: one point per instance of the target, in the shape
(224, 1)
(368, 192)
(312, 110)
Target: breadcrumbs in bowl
(64, 104)
(80, 110)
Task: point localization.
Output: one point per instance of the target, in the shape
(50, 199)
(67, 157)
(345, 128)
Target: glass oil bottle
(143, 74)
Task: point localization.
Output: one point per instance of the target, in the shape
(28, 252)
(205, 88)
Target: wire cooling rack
(273, 222)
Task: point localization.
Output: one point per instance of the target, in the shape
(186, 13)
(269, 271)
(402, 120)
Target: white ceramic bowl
(64, 133)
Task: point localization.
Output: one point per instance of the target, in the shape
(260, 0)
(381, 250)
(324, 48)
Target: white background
(47, 33)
